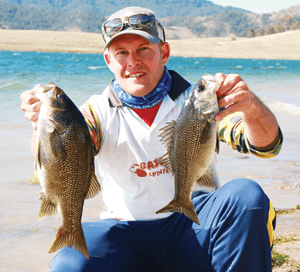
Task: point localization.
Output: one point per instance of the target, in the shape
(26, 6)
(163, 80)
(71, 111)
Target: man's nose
(134, 59)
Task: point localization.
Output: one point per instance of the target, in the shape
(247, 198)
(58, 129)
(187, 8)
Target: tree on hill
(278, 28)
(286, 21)
(250, 33)
(20, 17)
(295, 25)
(162, 8)
(202, 17)
(270, 30)
(259, 32)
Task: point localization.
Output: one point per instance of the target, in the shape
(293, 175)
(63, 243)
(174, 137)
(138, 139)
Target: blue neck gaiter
(149, 100)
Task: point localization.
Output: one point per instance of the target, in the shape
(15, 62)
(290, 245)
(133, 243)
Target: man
(237, 220)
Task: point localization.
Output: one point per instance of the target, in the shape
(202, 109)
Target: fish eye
(200, 89)
(60, 96)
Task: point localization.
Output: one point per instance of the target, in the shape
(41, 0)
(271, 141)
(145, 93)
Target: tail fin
(66, 239)
(187, 208)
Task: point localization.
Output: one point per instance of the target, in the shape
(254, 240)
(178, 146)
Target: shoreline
(277, 46)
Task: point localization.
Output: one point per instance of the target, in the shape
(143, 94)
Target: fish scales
(65, 166)
(191, 141)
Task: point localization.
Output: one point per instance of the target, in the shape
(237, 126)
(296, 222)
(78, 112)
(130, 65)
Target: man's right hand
(31, 105)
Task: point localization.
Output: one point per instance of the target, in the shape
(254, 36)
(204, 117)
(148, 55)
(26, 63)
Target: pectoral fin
(217, 143)
(56, 145)
(38, 154)
(47, 207)
(206, 180)
(94, 187)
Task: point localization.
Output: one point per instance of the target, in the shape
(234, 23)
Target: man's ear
(166, 51)
(106, 56)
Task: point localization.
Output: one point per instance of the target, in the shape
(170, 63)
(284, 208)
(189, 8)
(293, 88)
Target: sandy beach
(277, 46)
(25, 240)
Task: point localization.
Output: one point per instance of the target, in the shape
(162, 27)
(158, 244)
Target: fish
(64, 165)
(191, 142)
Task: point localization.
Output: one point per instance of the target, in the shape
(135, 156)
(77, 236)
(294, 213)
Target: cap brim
(140, 33)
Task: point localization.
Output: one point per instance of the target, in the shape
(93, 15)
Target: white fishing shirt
(134, 185)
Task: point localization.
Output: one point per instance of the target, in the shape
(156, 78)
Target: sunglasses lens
(113, 26)
(139, 21)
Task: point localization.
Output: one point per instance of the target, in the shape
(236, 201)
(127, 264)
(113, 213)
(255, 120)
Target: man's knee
(247, 192)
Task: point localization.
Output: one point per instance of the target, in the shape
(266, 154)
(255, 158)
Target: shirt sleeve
(93, 123)
(232, 132)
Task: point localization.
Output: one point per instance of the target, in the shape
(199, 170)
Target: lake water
(277, 82)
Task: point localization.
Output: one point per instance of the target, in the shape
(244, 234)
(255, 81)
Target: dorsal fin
(167, 138)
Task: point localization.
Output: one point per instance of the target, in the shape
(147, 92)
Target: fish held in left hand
(191, 142)
(65, 166)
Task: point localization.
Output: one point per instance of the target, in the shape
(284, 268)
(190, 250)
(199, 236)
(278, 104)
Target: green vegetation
(286, 22)
(291, 210)
(21, 17)
(283, 239)
(279, 259)
(202, 17)
(162, 8)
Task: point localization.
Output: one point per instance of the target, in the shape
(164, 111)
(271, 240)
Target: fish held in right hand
(191, 142)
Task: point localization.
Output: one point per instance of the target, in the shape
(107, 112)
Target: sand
(277, 46)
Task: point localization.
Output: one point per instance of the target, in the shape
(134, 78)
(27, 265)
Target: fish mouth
(44, 92)
(48, 116)
(51, 120)
(48, 87)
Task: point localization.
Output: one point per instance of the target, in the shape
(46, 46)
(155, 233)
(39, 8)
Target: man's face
(137, 64)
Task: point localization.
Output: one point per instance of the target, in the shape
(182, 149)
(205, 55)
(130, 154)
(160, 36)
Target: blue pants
(232, 236)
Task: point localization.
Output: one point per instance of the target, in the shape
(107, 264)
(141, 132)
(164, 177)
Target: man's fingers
(219, 80)
(232, 108)
(229, 83)
(35, 107)
(31, 105)
(34, 125)
(32, 116)
(28, 97)
(233, 97)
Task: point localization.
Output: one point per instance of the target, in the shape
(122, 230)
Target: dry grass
(33, 179)
(278, 46)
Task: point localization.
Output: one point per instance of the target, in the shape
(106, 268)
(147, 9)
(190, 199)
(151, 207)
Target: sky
(258, 6)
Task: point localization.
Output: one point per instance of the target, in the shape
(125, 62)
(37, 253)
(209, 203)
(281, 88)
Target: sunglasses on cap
(143, 22)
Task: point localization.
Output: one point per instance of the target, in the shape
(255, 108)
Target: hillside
(236, 23)
(204, 19)
(162, 8)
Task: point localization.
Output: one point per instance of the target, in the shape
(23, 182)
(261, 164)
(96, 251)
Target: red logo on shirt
(148, 169)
